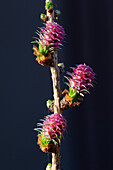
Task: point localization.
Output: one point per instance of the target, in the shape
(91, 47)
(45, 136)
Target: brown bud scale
(50, 148)
(65, 103)
(43, 60)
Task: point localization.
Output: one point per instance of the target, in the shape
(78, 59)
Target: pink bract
(54, 126)
(52, 35)
(82, 78)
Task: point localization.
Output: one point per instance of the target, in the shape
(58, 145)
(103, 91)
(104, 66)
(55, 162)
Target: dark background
(25, 85)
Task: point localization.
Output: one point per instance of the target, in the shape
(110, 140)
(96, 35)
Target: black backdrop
(25, 85)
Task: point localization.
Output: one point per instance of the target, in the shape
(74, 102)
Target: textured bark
(56, 159)
(56, 84)
(56, 93)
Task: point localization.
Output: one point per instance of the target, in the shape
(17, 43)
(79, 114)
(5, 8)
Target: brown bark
(56, 93)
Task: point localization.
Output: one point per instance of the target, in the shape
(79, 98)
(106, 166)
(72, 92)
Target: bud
(61, 67)
(44, 17)
(48, 103)
(57, 13)
(49, 165)
(49, 5)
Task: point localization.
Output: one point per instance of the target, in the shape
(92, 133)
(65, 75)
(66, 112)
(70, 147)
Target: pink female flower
(54, 126)
(51, 132)
(52, 35)
(82, 78)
